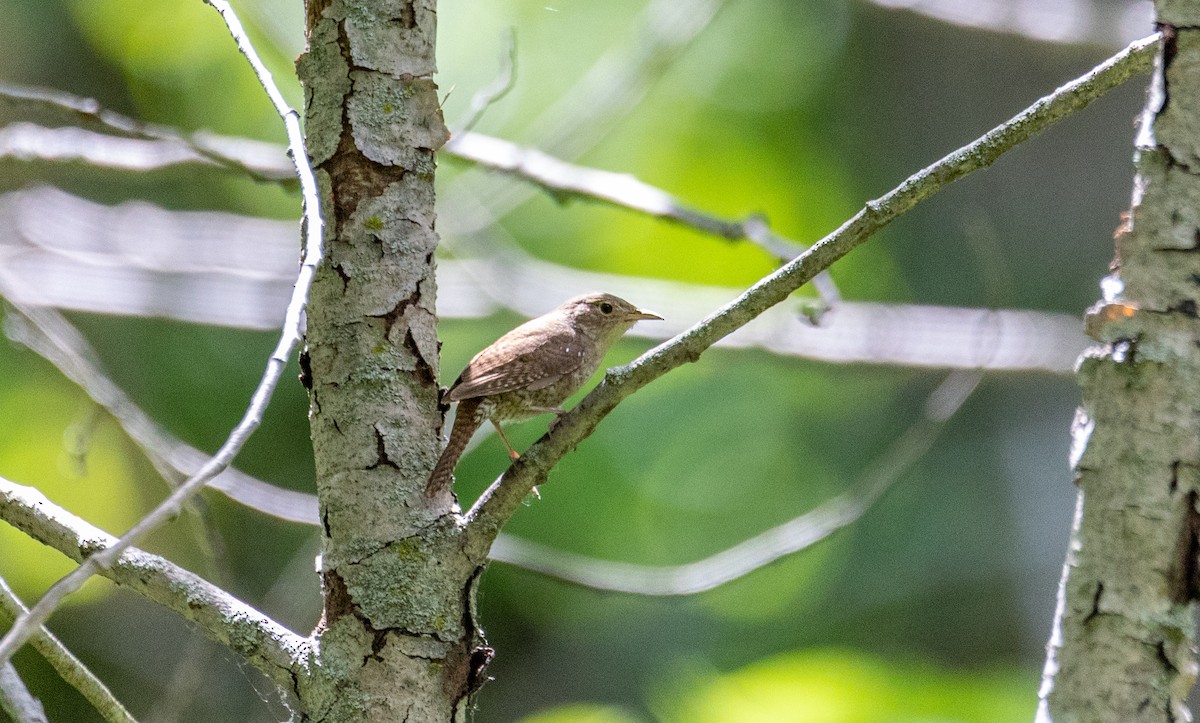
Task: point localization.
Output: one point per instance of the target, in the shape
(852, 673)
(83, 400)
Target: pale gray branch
(256, 159)
(292, 330)
(55, 339)
(31, 142)
(16, 700)
(504, 496)
(491, 94)
(68, 667)
(1056, 21)
(764, 548)
(63, 251)
(266, 644)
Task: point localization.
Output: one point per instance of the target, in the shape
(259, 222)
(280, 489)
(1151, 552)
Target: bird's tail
(466, 421)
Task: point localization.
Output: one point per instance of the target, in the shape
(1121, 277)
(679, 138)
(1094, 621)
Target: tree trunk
(1124, 641)
(398, 638)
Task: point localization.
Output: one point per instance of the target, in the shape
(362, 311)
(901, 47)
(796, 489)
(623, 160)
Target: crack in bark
(381, 456)
(1161, 651)
(407, 17)
(1187, 307)
(1095, 611)
(396, 313)
(1184, 575)
(305, 362)
(353, 176)
(345, 277)
(337, 599)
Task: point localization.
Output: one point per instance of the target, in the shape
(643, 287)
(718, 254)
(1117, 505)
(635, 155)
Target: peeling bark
(1124, 641)
(398, 639)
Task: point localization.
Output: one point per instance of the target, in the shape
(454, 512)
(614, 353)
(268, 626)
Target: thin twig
(68, 667)
(504, 496)
(28, 623)
(491, 93)
(795, 535)
(266, 644)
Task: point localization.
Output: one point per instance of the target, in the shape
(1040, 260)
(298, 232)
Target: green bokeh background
(934, 607)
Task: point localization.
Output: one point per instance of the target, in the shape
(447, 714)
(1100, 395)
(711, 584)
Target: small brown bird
(532, 369)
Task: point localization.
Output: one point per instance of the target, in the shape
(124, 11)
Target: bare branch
(68, 667)
(292, 330)
(258, 160)
(504, 496)
(61, 346)
(16, 700)
(1054, 21)
(796, 534)
(60, 250)
(266, 644)
(491, 93)
(55, 339)
(252, 158)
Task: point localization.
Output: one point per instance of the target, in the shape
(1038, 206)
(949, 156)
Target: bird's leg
(512, 453)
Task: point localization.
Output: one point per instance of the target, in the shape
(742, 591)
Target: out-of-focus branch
(491, 93)
(16, 700)
(25, 625)
(1057, 21)
(566, 181)
(68, 667)
(761, 550)
(62, 251)
(256, 159)
(30, 142)
(503, 497)
(266, 644)
(55, 339)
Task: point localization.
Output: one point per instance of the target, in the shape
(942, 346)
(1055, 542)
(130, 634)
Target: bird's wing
(520, 360)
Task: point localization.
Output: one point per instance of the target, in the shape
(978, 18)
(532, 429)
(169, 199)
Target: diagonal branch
(266, 644)
(504, 496)
(68, 667)
(749, 555)
(28, 623)
(16, 700)
(745, 557)
(565, 181)
(56, 340)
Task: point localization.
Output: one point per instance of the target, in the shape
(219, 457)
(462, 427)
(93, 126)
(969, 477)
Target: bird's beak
(638, 314)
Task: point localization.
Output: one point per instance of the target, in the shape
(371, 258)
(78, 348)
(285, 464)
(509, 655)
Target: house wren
(531, 370)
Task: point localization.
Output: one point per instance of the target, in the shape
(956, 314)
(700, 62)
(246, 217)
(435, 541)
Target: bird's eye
(605, 307)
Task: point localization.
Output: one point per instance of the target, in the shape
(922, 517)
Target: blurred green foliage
(935, 606)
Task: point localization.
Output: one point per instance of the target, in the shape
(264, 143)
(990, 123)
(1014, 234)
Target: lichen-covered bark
(1124, 639)
(398, 640)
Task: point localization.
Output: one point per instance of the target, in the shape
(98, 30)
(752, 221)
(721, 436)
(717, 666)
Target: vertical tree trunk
(1124, 641)
(398, 639)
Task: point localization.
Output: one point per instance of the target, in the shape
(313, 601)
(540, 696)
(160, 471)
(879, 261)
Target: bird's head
(603, 316)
